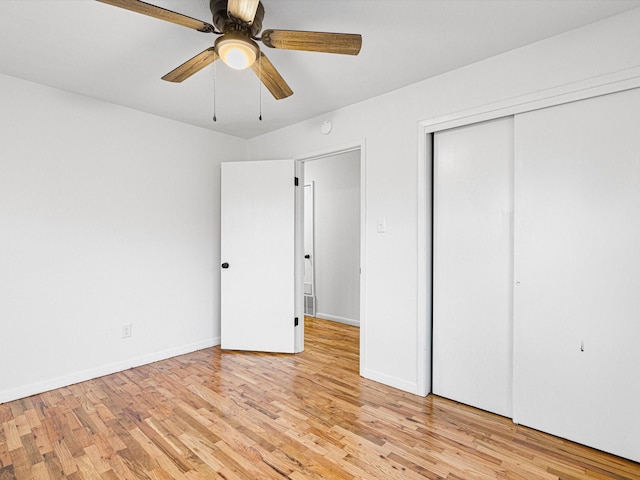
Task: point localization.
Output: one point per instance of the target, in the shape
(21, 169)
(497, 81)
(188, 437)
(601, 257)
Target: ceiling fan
(238, 22)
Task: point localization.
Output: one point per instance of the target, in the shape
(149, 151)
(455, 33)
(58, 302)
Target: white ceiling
(111, 54)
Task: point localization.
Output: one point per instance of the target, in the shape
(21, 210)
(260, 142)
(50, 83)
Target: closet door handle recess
(225, 265)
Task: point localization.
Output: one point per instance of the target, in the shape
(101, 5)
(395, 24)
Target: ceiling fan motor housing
(224, 22)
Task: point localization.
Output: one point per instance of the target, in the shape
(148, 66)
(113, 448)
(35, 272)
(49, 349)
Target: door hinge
(295, 181)
(295, 322)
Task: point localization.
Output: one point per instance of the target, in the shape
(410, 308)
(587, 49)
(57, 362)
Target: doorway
(333, 235)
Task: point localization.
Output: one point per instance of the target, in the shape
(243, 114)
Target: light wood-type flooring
(233, 415)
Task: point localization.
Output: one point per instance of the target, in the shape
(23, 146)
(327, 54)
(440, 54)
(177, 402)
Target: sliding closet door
(473, 258)
(577, 272)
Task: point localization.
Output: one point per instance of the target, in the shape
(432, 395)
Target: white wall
(337, 235)
(108, 217)
(392, 351)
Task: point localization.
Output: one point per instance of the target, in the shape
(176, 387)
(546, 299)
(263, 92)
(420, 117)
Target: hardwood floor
(233, 415)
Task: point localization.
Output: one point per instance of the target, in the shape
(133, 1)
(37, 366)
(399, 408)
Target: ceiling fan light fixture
(237, 50)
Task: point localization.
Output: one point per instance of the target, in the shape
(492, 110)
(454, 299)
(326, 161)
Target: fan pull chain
(214, 91)
(260, 85)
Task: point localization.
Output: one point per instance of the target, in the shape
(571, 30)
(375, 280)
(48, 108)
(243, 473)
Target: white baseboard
(82, 376)
(335, 318)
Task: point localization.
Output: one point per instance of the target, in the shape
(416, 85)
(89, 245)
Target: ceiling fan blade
(270, 77)
(344, 43)
(244, 10)
(191, 66)
(162, 14)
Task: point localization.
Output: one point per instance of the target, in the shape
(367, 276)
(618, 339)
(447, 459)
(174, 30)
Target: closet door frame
(594, 87)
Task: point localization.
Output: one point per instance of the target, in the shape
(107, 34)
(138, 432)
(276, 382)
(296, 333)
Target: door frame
(300, 160)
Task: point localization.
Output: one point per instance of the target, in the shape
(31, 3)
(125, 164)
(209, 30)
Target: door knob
(225, 265)
(307, 256)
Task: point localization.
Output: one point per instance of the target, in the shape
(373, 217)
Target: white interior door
(577, 266)
(258, 256)
(473, 264)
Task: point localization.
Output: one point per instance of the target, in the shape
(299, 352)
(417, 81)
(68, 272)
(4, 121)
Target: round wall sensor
(325, 127)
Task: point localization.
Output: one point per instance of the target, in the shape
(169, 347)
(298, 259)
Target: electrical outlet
(126, 330)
